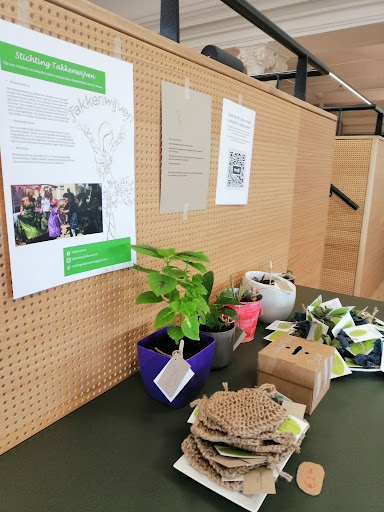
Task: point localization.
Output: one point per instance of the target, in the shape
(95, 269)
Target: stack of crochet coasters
(248, 420)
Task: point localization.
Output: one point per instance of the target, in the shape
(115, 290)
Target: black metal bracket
(170, 20)
(342, 196)
(344, 108)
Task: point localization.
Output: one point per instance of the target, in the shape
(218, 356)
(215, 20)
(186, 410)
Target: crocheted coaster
(208, 451)
(246, 413)
(198, 462)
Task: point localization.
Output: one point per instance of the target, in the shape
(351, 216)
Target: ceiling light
(350, 88)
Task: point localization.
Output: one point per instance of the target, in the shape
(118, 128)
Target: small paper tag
(310, 477)
(283, 284)
(239, 336)
(228, 462)
(174, 376)
(259, 481)
(297, 410)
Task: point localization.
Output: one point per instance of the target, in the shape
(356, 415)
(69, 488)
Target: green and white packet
(281, 325)
(316, 330)
(340, 367)
(363, 332)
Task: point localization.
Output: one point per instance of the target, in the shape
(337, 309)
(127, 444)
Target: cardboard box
(300, 369)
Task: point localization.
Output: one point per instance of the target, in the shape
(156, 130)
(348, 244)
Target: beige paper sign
(310, 477)
(173, 375)
(297, 410)
(259, 481)
(186, 149)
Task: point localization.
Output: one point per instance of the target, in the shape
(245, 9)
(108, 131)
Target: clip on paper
(117, 47)
(185, 211)
(187, 89)
(22, 13)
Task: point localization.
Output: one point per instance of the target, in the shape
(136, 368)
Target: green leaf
(148, 298)
(175, 333)
(208, 278)
(161, 284)
(175, 305)
(186, 308)
(173, 272)
(229, 312)
(191, 256)
(173, 295)
(165, 253)
(142, 269)
(148, 250)
(197, 279)
(198, 266)
(200, 305)
(190, 327)
(163, 318)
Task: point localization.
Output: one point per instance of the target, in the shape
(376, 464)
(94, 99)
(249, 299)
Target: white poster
(67, 150)
(235, 155)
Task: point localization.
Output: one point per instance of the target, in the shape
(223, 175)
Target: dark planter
(224, 341)
(151, 363)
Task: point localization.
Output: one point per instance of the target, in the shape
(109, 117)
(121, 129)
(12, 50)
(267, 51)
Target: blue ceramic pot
(151, 363)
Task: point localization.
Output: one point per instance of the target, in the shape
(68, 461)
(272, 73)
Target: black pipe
(216, 53)
(257, 18)
(342, 196)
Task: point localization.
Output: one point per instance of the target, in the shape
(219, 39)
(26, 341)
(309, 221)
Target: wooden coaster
(310, 477)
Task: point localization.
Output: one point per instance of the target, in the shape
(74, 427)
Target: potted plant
(278, 297)
(248, 309)
(219, 323)
(288, 274)
(179, 284)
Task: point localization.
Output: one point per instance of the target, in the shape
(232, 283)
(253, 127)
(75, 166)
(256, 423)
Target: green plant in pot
(219, 323)
(179, 285)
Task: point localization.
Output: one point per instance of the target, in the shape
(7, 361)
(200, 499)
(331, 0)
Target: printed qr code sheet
(236, 166)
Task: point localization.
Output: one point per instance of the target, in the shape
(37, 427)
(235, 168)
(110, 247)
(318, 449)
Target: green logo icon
(276, 335)
(290, 425)
(358, 332)
(318, 332)
(338, 367)
(284, 326)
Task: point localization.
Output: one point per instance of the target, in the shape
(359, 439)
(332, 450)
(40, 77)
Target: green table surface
(115, 454)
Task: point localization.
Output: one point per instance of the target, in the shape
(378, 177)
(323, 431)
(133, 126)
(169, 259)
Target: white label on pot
(174, 377)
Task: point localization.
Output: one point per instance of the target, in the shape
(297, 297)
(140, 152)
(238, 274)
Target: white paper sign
(67, 148)
(235, 154)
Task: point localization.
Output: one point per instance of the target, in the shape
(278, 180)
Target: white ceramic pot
(277, 304)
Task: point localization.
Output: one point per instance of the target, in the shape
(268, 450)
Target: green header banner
(21, 61)
(83, 258)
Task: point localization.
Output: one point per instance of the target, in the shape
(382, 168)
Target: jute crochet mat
(247, 419)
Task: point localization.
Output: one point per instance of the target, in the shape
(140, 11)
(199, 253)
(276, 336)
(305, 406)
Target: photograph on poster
(46, 212)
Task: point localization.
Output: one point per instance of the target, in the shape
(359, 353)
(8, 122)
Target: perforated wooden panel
(311, 198)
(370, 268)
(62, 347)
(347, 242)
(349, 174)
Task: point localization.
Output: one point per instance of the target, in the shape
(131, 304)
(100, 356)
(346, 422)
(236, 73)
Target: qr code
(236, 169)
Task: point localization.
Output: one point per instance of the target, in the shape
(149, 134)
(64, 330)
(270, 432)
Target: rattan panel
(62, 347)
(311, 199)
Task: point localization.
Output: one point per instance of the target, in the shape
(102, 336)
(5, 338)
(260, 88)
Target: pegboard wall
(354, 249)
(62, 347)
